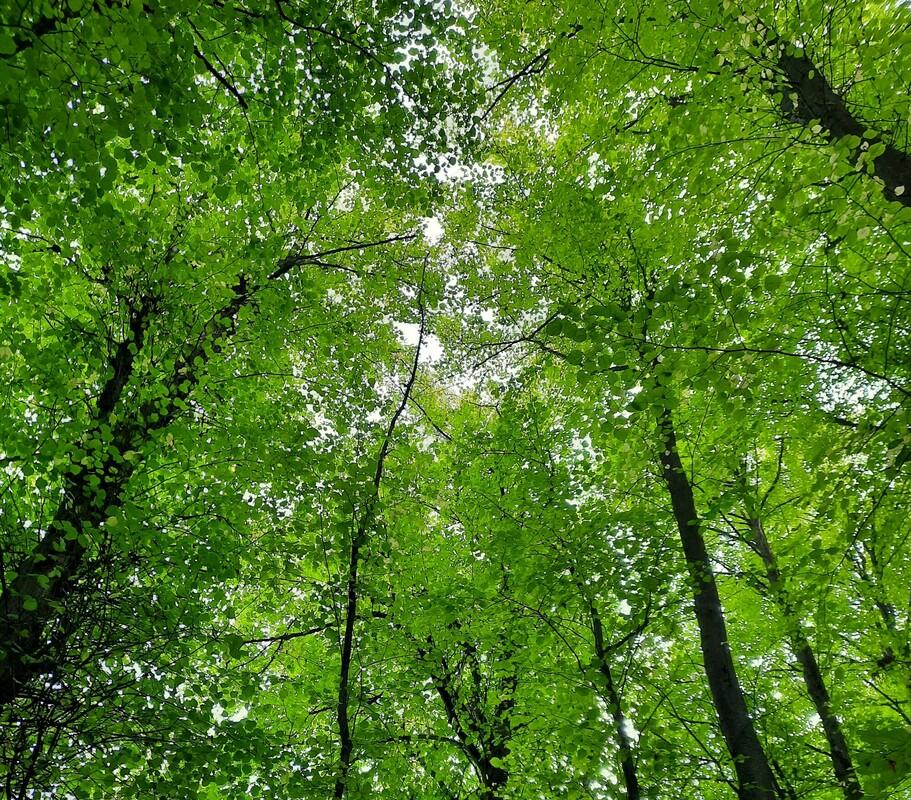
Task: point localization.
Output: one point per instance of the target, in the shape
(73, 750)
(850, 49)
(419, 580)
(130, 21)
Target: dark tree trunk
(754, 775)
(36, 596)
(812, 676)
(627, 762)
(817, 100)
(359, 539)
(30, 604)
(346, 743)
(477, 746)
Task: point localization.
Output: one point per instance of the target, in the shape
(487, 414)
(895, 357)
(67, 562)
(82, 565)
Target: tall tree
(386, 386)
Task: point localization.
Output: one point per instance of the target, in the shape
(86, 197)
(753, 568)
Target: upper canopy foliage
(427, 400)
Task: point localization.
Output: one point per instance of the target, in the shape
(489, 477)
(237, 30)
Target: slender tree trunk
(809, 97)
(784, 786)
(478, 746)
(812, 676)
(35, 597)
(625, 743)
(873, 578)
(358, 539)
(754, 775)
(346, 743)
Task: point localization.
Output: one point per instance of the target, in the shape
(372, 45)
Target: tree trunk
(812, 676)
(32, 601)
(477, 748)
(346, 743)
(627, 762)
(754, 776)
(358, 540)
(816, 100)
(29, 604)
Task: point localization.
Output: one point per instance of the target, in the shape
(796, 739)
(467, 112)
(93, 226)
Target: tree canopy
(444, 400)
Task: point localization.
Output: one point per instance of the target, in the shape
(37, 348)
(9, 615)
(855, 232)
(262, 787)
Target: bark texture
(755, 780)
(621, 732)
(808, 96)
(812, 675)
